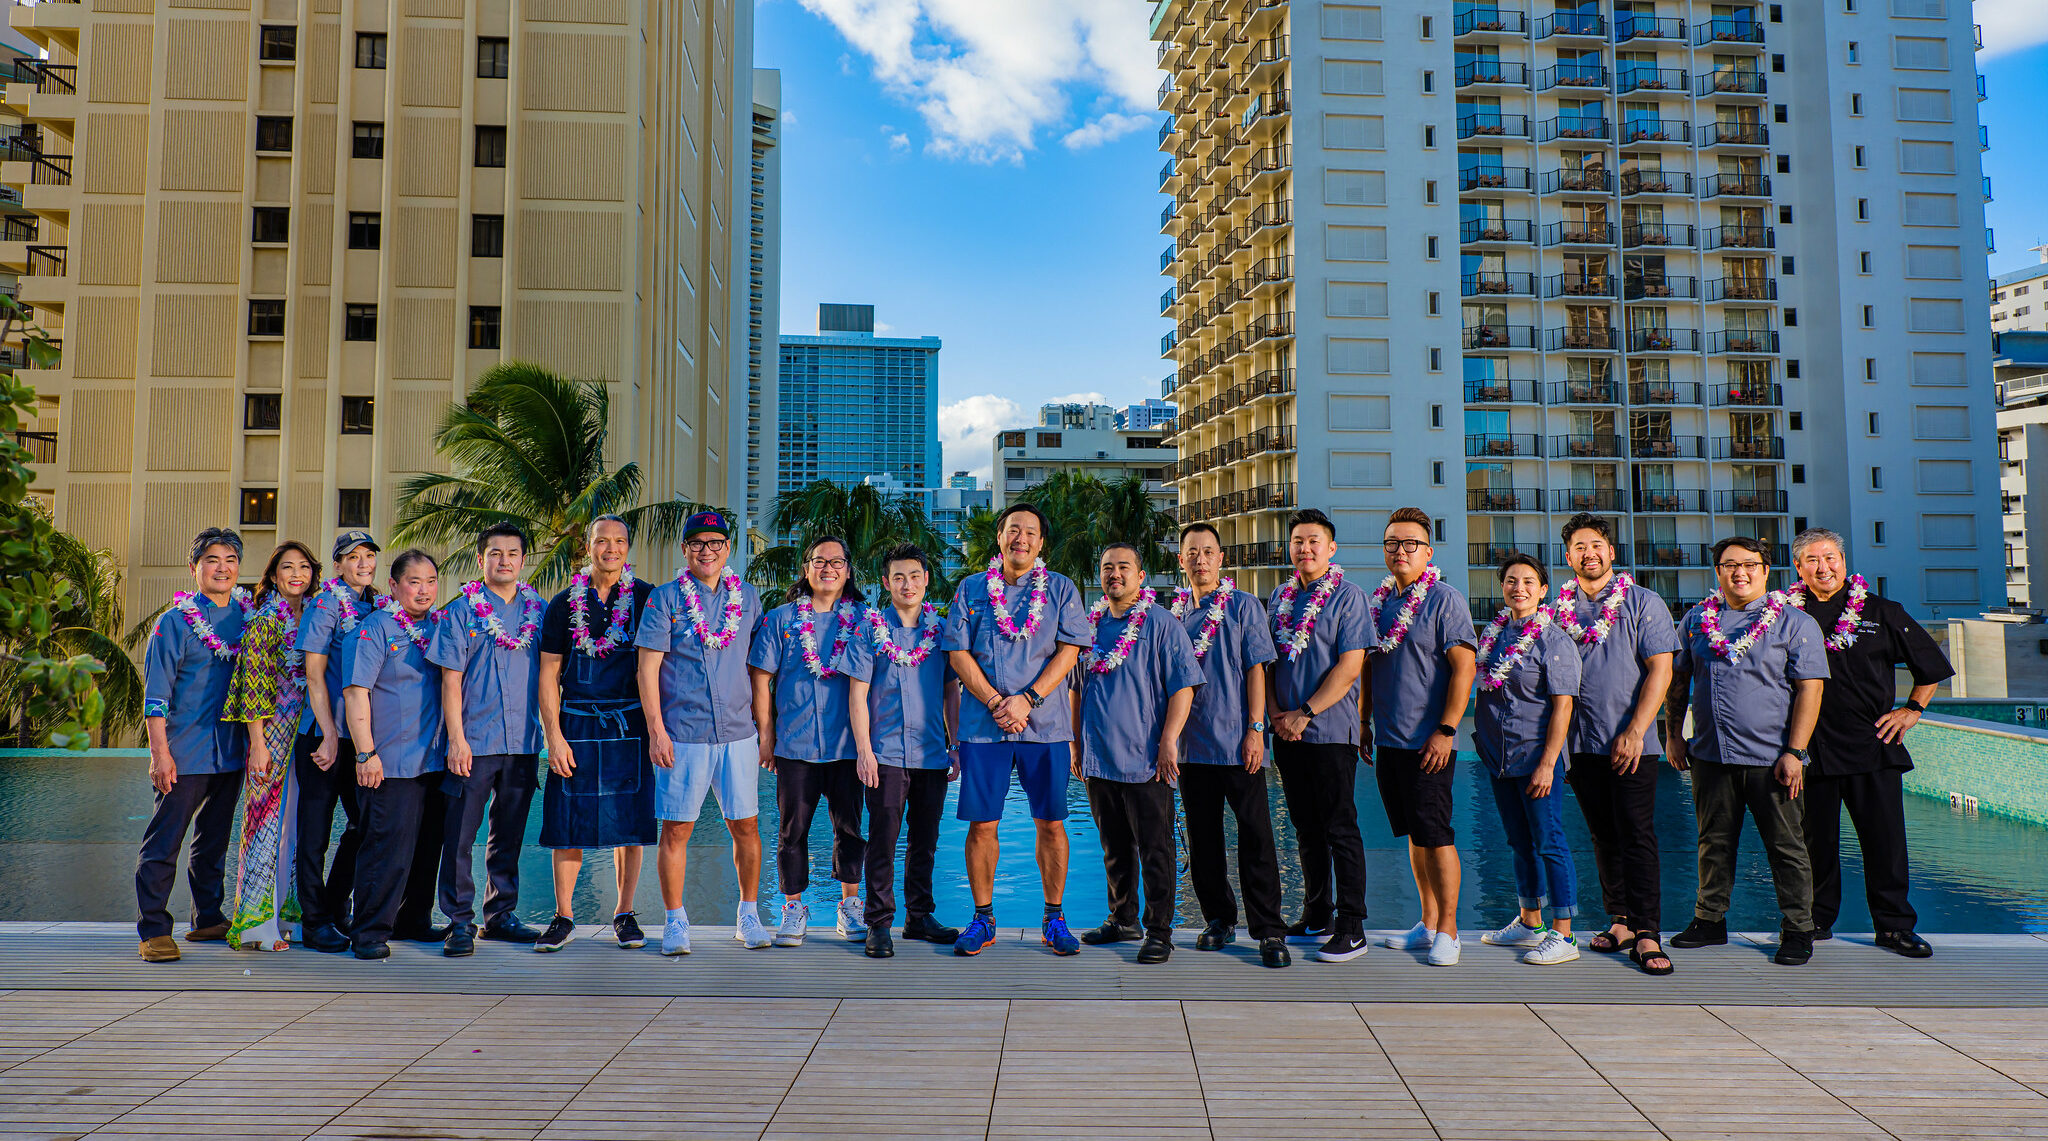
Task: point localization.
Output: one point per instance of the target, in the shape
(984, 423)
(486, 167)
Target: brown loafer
(217, 933)
(162, 949)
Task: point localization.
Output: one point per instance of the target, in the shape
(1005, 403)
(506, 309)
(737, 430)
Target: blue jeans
(1543, 859)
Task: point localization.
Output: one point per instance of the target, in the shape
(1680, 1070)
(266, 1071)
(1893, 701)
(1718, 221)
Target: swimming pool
(69, 828)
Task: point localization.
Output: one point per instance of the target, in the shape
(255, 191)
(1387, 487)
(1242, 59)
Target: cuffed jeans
(1544, 875)
(500, 786)
(1135, 821)
(912, 797)
(208, 799)
(1621, 815)
(1721, 794)
(1877, 807)
(1204, 791)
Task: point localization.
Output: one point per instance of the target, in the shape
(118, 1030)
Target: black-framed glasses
(1403, 546)
(1731, 568)
(706, 544)
(828, 564)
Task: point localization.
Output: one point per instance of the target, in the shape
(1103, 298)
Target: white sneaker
(796, 923)
(1554, 949)
(1443, 950)
(751, 932)
(1417, 939)
(1516, 934)
(852, 927)
(675, 937)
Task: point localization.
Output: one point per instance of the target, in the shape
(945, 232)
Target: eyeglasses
(1403, 546)
(1731, 568)
(705, 544)
(828, 564)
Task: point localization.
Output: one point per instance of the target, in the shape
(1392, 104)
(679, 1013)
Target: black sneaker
(1273, 952)
(1342, 947)
(509, 930)
(1110, 932)
(1823, 934)
(560, 930)
(628, 930)
(1216, 936)
(1308, 932)
(1703, 933)
(1794, 948)
(929, 930)
(1905, 943)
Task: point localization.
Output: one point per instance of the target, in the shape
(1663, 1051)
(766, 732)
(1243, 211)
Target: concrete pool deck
(596, 1042)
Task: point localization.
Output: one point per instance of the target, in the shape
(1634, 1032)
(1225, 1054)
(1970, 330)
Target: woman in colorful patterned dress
(268, 689)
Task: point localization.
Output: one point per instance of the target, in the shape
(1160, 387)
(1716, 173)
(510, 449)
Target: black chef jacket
(1862, 685)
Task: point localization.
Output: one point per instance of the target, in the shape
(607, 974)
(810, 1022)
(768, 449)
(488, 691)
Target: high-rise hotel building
(278, 237)
(1707, 269)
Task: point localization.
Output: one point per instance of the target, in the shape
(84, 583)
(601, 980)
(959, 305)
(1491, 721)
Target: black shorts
(1418, 803)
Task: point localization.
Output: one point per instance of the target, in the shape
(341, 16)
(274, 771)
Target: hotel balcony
(1493, 73)
(1727, 32)
(1491, 336)
(1592, 180)
(1584, 393)
(1677, 183)
(1667, 447)
(1499, 392)
(1572, 25)
(1581, 446)
(1637, 131)
(1497, 231)
(1726, 134)
(1271, 327)
(1566, 500)
(43, 91)
(1629, 28)
(1673, 554)
(1724, 84)
(1575, 128)
(41, 447)
(1497, 178)
(1671, 500)
(1751, 342)
(1583, 76)
(1590, 338)
(1498, 285)
(1740, 238)
(1482, 24)
(1266, 276)
(1664, 394)
(1579, 285)
(1736, 186)
(1742, 289)
(1669, 235)
(1266, 166)
(1660, 340)
(1493, 125)
(1579, 234)
(1748, 396)
(1484, 608)
(1268, 554)
(1749, 448)
(1663, 287)
(1643, 80)
(1490, 554)
(1265, 59)
(1504, 500)
(1750, 502)
(1267, 114)
(1504, 445)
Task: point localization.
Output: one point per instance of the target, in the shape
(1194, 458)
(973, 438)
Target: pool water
(69, 827)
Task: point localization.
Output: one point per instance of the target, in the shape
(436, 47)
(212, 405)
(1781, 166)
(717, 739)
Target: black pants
(423, 876)
(1877, 807)
(918, 797)
(798, 785)
(1204, 791)
(502, 786)
(1621, 814)
(324, 892)
(209, 800)
(391, 828)
(1319, 782)
(1135, 821)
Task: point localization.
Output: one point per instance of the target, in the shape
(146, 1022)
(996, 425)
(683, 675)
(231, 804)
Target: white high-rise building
(1704, 268)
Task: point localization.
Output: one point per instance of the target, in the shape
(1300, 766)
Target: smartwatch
(1798, 753)
(1914, 706)
(1446, 730)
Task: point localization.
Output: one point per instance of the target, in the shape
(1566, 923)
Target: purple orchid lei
(1710, 625)
(615, 634)
(807, 634)
(694, 607)
(529, 614)
(1843, 635)
(1184, 598)
(1039, 578)
(1496, 675)
(414, 631)
(1411, 606)
(186, 603)
(1119, 653)
(928, 639)
(1294, 636)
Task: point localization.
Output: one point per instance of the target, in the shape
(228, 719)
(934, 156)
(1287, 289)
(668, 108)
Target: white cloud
(967, 429)
(1105, 129)
(2011, 25)
(899, 142)
(987, 74)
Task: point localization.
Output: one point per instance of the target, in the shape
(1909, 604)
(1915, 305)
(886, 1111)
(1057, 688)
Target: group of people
(422, 726)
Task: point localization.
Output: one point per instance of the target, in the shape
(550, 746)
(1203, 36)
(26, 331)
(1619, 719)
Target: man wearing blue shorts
(693, 668)
(1012, 636)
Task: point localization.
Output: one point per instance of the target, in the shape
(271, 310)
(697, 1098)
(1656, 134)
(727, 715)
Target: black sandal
(1643, 959)
(1606, 943)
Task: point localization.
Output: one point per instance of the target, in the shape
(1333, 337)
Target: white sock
(679, 915)
(750, 907)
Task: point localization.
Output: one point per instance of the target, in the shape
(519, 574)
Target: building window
(279, 43)
(1429, 247)
(358, 415)
(1429, 191)
(1877, 538)
(266, 318)
(1791, 318)
(1856, 158)
(487, 235)
(1870, 368)
(490, 146)
(1863, 262)
(1877, 479)
(1798, 473)
(1788, 266)
(1435, 303)
(1428, 82)
(263, 411)
(1013, 440)
(365, 231)
(1791, 370)
(352, 508)
(483, 326)
(1781, 113)
(1855, 104)
(1863, 209)
(1436, 415)
(273, 133)
(359, 323)
(1436, 472)
(1855, 52)
(1429, 137)
(271, 225)
(1784, 164)
(369, 141)
(1049, 439)
(370, 49)
(1869, 316)
(1795, 420)
(1436, 359)
(259, 507)
(1871, 426)
(493, 57)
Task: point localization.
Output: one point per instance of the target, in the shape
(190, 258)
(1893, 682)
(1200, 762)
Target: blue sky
(985, 171)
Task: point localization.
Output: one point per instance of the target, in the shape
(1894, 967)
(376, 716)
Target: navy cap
(349, 540)
(704, 521)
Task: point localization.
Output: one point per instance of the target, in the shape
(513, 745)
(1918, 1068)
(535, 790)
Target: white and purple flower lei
(1710, 625)
(1411, 606)
(1038, 578)
(1843, 635)
(346, 600)
(1121, 651)
(735, 603)
(186, 603)
(807, 634)
(1184, 598)
(928, 636)
(1496, 675)
(529, 614)
(413, 631)
(1294, 639)
(615, 635)
(1610, 610)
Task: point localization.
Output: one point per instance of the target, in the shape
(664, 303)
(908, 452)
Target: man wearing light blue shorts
(693, 640)
(1012, 636)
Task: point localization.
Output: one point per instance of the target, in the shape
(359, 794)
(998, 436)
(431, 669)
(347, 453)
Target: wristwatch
(1915, 706)
(1031, 695)
(1258, 726)
(1446, 730)
(1799, 753)
(366, 758)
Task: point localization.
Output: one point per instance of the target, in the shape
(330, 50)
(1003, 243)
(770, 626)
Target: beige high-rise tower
(277, 237)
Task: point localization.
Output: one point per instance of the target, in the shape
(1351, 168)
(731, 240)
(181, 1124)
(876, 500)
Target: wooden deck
(596, 1042)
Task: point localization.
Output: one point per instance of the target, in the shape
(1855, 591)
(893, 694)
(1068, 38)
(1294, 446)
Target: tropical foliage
(1086, 513)
(528, 447)
(869, 520)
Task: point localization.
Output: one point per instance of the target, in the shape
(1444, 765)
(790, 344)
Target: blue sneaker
(979, 934)
(1060, 939)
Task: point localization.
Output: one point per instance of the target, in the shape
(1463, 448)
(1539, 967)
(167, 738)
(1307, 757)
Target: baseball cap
(349, 540)
(704, 521)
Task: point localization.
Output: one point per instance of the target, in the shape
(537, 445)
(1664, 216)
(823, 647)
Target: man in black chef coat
(1859, 755)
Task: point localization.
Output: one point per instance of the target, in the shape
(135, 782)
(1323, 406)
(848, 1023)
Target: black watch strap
(1447, 730)
(1915, 706)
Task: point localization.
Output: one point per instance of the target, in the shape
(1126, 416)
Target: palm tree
(978, 539)
(869, 520)
(1126, 512)
(87, 620)
(528, 447)
(1085, 514)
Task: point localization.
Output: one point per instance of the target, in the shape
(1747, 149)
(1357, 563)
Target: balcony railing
(1271, 104)
(1727, 31)
(1736, 186)
(48, 261)
(1582, 392)
(1667, 447)
(1640, 130)
(1758, 341)
(50, 170)
(1656, 182)
(1660, 287)
(1497, 391)
(1498, 285)
(1742, 289)
(1575, 127)
(1749, 447)
(1669, 234)
(1267, 554)
(1599, 338)
(1730, 83)
(1664, 393)
(1741, 238)
(1585, 447)
(1496, 178)
(1503, 500)
(1750, 502)
(1590, 180)
(1721, 133)
(1489, 19)
(1492, 336)
(1490, 554)
(1520, 230)
(1588, 76)
(40, 446)
(56, 78)
(1579, 285)
(1631, 78)
(1671, 500)
(1496, 72)
(1504, 444)
(1572, 24)
(15, 228)
(1672, 554)
(1748, 396)
(1661, 340)
(1572, 499)
(1484, 608)
(1493, 124)
(1579, 234)
(1631, 27)
(1271, 326)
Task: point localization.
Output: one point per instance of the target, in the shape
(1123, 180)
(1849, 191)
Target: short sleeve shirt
(1741, 709)
(405, 696)
(186, 683)
(325, 626)
(1341, 627)
(811, 718)
(1122, 710)
(1011, 664)
(1410, 682)
(1862, 683)
(706, 698)
(1612, 681)
(906, 703)
(1512, 722)
(611, 677)
(500, 685)
(1242, 641)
